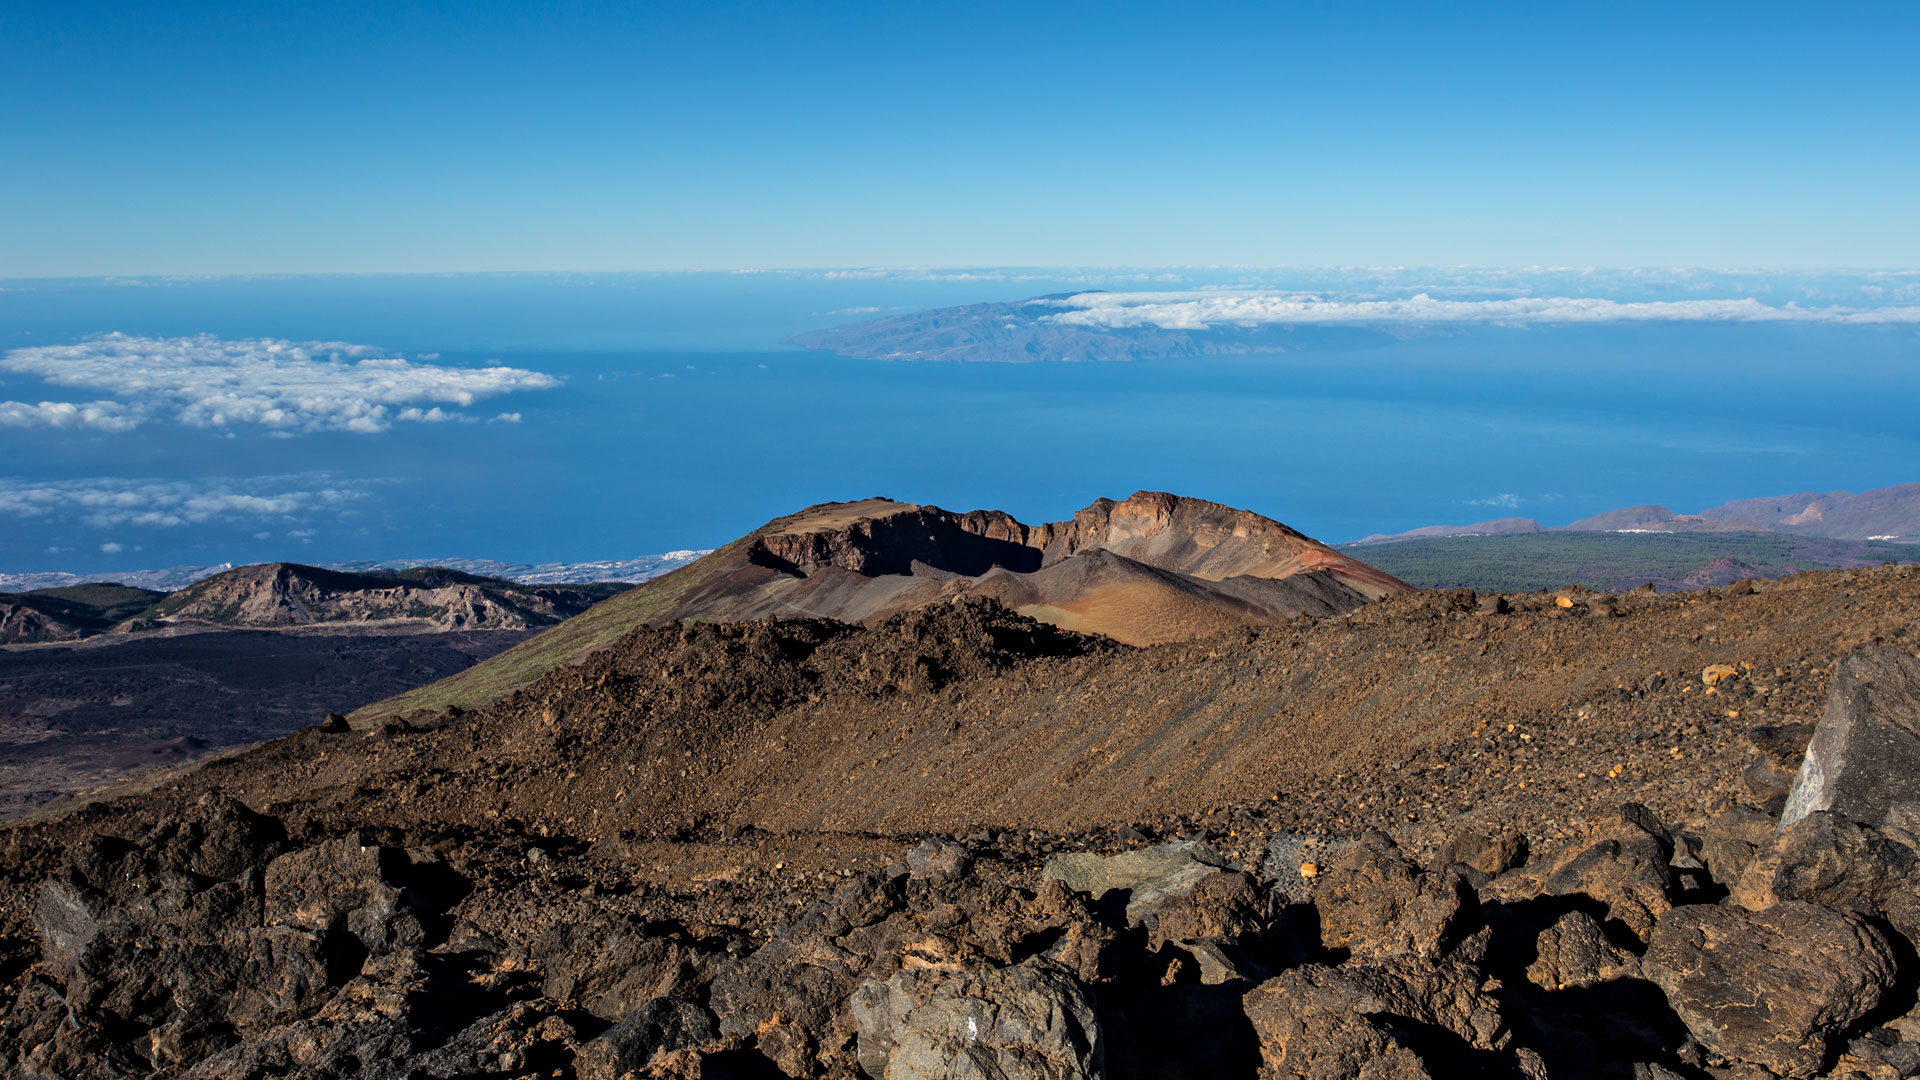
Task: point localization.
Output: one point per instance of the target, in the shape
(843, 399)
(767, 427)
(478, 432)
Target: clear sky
(193, 138)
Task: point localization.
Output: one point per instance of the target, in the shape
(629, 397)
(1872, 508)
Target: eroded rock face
(1773, 988)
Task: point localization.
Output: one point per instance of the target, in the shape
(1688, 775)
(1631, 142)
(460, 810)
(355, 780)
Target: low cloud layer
(97, 415)
(107, 502)
(283, 386)
(1207, 310)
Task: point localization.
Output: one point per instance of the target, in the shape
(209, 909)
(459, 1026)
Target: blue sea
(682, 420)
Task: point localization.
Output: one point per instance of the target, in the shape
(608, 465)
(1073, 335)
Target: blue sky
(281, 138)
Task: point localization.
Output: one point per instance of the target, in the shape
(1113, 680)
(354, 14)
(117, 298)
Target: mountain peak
(1169, 568)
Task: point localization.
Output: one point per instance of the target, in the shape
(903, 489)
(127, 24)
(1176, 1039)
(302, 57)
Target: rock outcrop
(1864, 760)
(287, 594)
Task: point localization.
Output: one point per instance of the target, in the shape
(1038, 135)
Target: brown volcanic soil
(1410, 712)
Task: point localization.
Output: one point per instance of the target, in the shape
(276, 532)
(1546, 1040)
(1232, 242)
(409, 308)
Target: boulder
(1864, 760)
(659, 1026)
(1223, 903)
(610, 969)
(347, 884)
(1575, 952)
(1320, 1023)
(1771, 988)
(1730, 841)
(939, 861)
(1482, 848)
(1030, 1021)
(788, 1007)
(1825, 858)
(1149, 877)
(1374, 902)
(1083, 943)
(219, 837)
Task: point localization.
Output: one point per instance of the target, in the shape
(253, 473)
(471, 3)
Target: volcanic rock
(1026, 1022)
(1148, 878)
(1864, 760)
(662, 1025)
(1826, 858)
(1772, 987)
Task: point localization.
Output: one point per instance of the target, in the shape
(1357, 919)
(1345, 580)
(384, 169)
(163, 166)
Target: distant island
(1620, 549)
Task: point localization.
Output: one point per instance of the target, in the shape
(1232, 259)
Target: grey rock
(1031, 1021)
(1150, 876)
(1221, 960)
(1864, 760)
(939, 861)
(1287, 852)
(1825, 858)
(663, 1024)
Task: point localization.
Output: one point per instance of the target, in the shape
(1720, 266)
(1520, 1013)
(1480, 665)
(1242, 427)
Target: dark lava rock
(1773, 987)
(1827, 859)
(661, 1025)
(940, 861)
(1320, 1023)
(1624, 867)
(1864, 760)
(1374, 902)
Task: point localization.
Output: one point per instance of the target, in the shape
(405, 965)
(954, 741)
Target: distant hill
(1616, 561)
(634, 570)
(289, 594)
(276, 595)
(1152, 568)
(1511, 526)
(1891, 513)
(70, 612)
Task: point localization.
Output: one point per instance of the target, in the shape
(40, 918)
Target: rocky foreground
(1603, 888)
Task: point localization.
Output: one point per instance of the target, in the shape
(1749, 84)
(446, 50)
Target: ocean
(681, 420)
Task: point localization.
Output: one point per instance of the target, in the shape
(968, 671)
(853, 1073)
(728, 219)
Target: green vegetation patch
(1616, 561)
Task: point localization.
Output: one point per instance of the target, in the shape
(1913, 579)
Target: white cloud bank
(107, 502)
(1205, 310)
(98, 415)
(284, 386)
